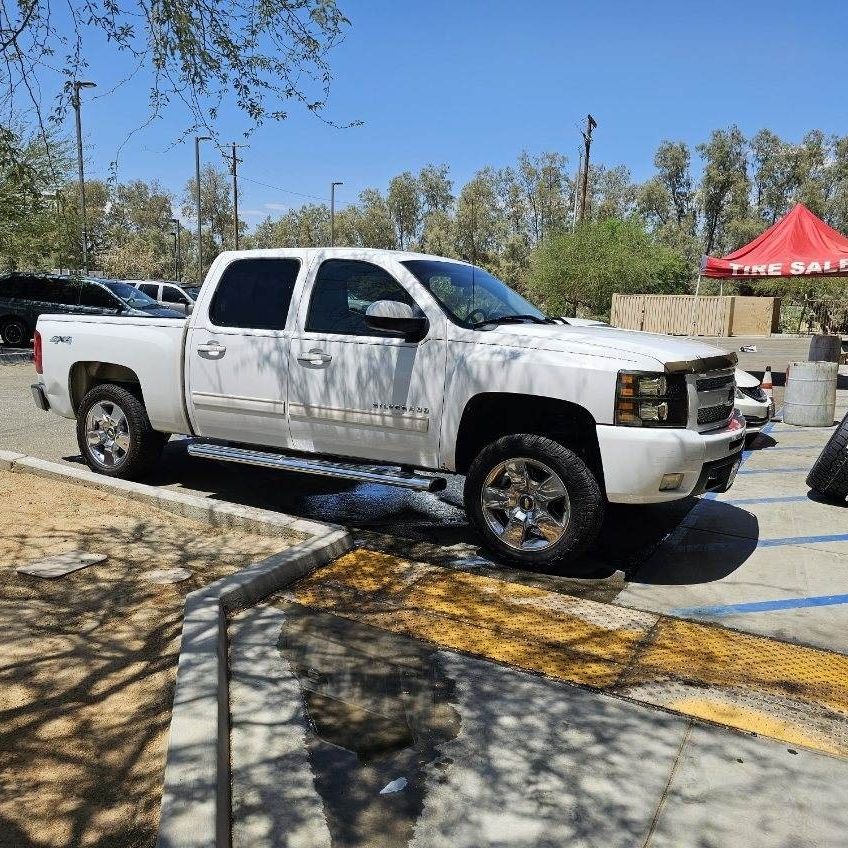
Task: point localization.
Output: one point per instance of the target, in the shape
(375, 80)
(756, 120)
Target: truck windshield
(471, 296)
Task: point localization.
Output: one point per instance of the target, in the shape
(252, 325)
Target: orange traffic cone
(768, 384)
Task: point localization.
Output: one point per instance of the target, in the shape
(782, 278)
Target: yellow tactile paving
(787, 692)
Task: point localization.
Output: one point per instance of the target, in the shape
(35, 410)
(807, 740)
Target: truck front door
(357, 392)
(237, 353)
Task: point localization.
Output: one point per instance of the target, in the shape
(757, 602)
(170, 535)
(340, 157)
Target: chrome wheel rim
(525, 504)
(107, 434)
(14, 334)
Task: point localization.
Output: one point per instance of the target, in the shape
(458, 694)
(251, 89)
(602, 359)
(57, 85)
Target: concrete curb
(196, 798)
(212, 512)
(13, 358)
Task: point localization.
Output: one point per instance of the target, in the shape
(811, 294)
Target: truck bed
(150, 347)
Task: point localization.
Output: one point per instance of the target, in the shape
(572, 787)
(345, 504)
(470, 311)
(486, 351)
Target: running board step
(321, 467)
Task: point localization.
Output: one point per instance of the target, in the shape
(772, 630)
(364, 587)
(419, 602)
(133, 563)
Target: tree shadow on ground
(88, 663)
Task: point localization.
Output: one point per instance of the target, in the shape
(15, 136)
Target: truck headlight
(651, 400)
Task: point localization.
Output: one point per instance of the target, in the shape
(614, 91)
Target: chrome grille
(714, 391)
(709, 384)
(711, 414)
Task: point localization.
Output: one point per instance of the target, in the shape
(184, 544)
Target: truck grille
(712, 414)
(715, 393)
(720, 381)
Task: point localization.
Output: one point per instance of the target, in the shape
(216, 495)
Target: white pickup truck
(378, 365)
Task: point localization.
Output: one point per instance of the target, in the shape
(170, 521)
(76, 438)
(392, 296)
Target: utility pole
(177, 249)
(577, 190)
(333, 212)
(234, 169)
(591, 123)
(78, 84)
(197, 140)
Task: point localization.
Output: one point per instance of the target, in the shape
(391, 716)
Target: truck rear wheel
(114, 433)
(533, 501)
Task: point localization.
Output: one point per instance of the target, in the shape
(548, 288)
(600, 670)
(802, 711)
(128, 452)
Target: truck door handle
(314, 357)
(211, 349)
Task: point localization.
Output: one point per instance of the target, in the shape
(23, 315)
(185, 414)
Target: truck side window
(150, 289)
(254, 294)
(343, 291)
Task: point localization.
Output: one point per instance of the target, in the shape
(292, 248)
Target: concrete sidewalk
(526, 762)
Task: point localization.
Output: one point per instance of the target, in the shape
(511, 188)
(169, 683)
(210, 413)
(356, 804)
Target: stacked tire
(829, 475)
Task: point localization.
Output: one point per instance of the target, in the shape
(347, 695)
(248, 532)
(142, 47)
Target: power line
(284, 190)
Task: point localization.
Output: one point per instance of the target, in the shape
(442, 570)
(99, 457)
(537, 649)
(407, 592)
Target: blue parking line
(763, 606)
(784, 470)
(802, 540)
(786, 448)
(775, 499)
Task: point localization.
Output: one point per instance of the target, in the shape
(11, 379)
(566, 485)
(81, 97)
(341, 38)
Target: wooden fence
(683, 314)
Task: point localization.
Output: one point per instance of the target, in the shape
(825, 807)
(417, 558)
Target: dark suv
(23, 297)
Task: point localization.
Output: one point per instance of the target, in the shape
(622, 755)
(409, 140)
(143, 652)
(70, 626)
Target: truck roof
(364, 253)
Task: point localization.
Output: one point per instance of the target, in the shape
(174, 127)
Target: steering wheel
(479, 312)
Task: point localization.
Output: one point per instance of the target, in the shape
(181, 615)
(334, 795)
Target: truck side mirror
(396, 319)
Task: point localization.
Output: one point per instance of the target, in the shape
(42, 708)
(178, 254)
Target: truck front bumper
(635, 460)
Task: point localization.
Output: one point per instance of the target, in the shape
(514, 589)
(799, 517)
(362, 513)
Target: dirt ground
(87, 661)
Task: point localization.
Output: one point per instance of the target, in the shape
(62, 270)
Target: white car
(328, 361)
(752, 402)
(169, 293)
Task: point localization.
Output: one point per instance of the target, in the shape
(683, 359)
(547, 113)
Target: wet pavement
(346, 736)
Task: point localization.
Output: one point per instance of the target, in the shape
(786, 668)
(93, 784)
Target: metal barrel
(810, 397)
(825, 348)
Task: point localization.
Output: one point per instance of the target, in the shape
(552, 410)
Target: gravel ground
(87, 661)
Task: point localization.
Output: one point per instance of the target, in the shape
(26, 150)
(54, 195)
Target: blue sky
(473, 83)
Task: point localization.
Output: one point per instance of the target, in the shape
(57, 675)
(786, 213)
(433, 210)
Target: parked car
(168, 293)
(295, 358)
(752, 402)
(25, 297)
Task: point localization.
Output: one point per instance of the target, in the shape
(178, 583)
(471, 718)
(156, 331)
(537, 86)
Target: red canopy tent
(798, 244)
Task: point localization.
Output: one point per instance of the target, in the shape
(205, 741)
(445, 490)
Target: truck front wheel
(533, 501)
(114, 433)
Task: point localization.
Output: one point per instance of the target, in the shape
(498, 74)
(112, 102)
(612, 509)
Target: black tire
(585, 498)
(15, 333)
(829, 474)
(143, 443)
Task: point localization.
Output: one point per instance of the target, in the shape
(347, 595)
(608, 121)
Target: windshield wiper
(512, 319)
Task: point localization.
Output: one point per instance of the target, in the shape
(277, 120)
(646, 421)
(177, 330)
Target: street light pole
(177, 257)
(197, 140)
(75, 99)
(333, 212)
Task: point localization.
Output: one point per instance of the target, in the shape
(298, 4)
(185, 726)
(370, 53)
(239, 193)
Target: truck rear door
(237, 353)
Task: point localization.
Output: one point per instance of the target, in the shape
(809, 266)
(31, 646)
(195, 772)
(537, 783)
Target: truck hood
(610, 342)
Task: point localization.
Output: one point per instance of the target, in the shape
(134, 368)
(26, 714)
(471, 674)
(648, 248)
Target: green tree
(405, 206)
(479, 226)
(724, 193)
(582, 270)
(199, 55)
